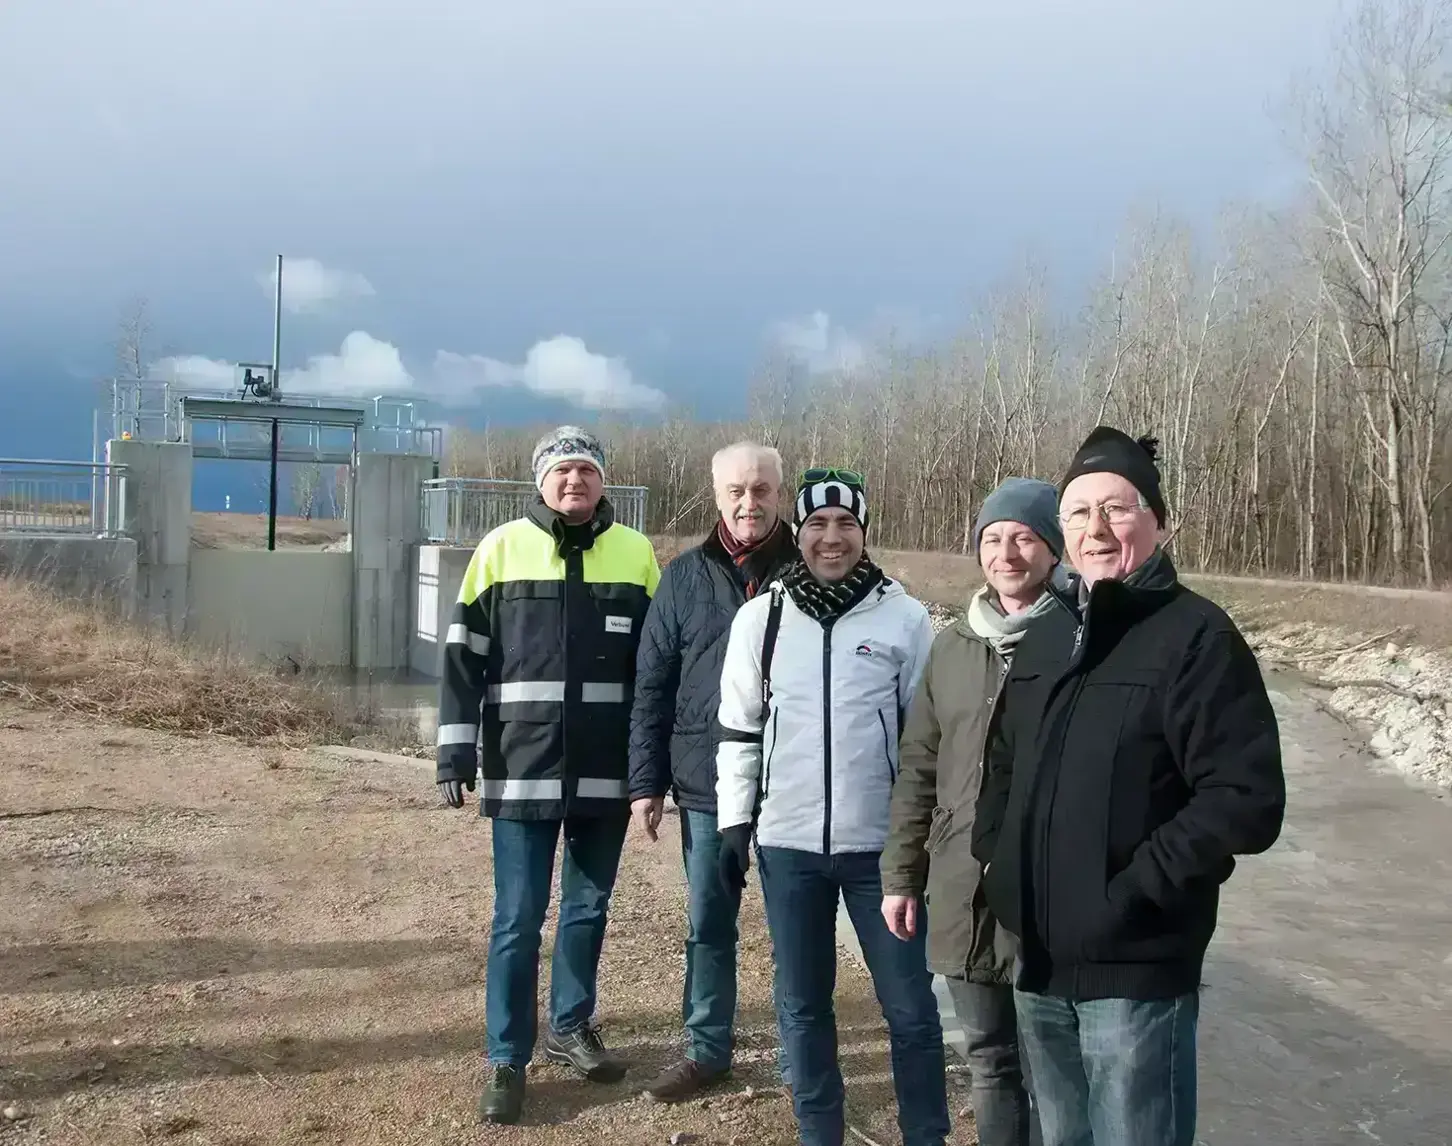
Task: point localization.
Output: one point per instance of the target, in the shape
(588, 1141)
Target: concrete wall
(274, 605)
(386, 531)
(101, 569)
(157, 504)
(439, 571)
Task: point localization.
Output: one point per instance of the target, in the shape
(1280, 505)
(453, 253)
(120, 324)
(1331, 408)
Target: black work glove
(453, 791)
(735, 857)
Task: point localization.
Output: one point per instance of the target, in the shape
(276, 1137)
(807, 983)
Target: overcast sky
(612, 205)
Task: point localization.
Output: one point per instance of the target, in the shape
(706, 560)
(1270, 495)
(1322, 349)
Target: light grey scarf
(988, 620)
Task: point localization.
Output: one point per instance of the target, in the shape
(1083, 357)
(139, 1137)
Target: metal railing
(42, 496)
(151, 409)
(460, 511)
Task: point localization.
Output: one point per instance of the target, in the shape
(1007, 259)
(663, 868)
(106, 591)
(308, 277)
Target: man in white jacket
(818, 674)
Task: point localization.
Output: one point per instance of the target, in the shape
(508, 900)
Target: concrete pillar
(157, 499)
(439, 573)
(386, 532)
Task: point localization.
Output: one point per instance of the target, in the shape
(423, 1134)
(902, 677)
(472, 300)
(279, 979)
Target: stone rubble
(1401, 695)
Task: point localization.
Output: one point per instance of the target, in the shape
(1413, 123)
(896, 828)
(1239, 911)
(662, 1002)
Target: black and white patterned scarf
(826, 600)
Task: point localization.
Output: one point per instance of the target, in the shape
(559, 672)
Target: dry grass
(249, 531)
(1415, 616)
(79, 658)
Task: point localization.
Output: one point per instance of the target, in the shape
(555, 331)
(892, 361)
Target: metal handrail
(49, 495)
(461, 510)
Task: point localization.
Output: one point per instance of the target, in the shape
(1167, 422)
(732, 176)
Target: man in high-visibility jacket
(539, 669)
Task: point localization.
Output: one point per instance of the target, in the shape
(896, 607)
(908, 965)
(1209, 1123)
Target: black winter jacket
(673, 728)
(1130, 758)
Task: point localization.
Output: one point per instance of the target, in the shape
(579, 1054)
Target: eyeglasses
(1114, 512)
(831, 473)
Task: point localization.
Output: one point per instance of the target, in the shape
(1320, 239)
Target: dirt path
(1327, 1014)
(206, 943)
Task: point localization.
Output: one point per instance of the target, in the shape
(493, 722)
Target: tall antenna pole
(277, 333)
(276, 397)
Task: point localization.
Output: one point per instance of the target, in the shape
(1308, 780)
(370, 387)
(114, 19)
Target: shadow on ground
(109, 965)
(1277, 1065)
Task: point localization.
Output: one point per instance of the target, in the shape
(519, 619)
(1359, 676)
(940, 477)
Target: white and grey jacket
(821, 755)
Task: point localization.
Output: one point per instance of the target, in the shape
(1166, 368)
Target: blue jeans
(1111, 1072)
(801, 891)
(708, 1005)
(524, 863)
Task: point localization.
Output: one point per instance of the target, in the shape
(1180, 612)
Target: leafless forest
(1294, 365)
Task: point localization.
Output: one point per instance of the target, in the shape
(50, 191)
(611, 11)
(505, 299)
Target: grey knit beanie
(566, 444)
(1028, 502)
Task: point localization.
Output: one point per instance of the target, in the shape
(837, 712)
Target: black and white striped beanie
(826, 494)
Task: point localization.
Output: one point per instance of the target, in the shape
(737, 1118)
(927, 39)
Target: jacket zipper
(1061, 734)
(887, 747)
(827, 736)
(574, 577)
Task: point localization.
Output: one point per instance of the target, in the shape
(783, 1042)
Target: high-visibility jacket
(539, 667)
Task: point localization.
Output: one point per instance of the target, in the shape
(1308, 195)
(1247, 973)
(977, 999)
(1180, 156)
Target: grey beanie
(566, 444)
(1028, 502)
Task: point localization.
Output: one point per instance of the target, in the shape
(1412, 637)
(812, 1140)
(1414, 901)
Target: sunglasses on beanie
(832, 473)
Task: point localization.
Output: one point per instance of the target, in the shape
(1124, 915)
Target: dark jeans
(1112, 1072)
(801, 891)
(1002, 1111)
(708, 1006)
(524, 862)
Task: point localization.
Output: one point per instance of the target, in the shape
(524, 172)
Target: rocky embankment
(1400, 695)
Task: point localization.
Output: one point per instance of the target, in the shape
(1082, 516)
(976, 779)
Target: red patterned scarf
(741, 553)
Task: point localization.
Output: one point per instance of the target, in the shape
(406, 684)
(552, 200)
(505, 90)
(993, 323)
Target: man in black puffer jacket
(674, 734)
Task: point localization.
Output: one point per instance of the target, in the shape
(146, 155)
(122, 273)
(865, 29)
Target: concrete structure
(438, 573)
(355, 608)
(383, 605)
(287, 606)
(100, 569)
(386, 533)
(158, 515)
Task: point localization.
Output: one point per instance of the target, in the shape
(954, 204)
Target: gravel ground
(208, 943)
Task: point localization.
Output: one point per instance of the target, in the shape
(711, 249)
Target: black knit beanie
(1107, 450)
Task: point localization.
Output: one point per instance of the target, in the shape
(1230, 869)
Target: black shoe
(584, 1052)
(503, 1097)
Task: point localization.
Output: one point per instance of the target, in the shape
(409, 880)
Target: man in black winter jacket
(1134, 753)
(674, 734)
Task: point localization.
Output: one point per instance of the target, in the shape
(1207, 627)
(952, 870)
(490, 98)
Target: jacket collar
(1144, 590)
(571, 537)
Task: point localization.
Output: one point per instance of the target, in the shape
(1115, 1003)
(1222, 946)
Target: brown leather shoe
(683, 1081)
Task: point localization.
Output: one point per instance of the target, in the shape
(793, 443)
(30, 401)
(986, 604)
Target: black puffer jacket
(673, 729)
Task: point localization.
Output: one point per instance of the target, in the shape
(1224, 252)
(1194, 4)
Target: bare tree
(133, 340)
(307, 489)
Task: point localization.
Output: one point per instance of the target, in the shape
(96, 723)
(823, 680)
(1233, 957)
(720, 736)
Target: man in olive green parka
(1019, 543)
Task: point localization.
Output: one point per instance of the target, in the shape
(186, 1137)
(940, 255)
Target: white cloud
(308, 285)
(562, 367)
(364, 366)
(195, 370)
(819, 345)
